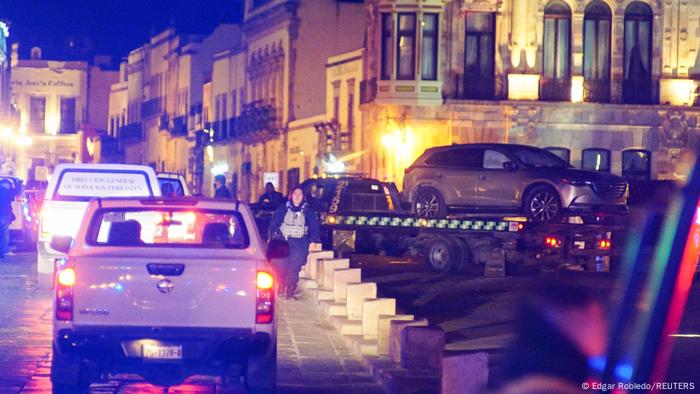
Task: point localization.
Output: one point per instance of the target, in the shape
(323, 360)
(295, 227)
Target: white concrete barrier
(422, 347)
(356, 295)
(322, 295)
(332, 308)
(341, 278)
(310, 266)
(465, 373)
(311, 260)
(384, 330)
(371, 310)
(328, 267)
(396, 327)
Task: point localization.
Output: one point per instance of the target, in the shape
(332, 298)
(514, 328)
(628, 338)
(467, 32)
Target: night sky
(111, 27)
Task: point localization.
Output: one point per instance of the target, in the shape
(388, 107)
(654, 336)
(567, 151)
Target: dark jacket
(274, 199)
(6, 198)
(222, 192)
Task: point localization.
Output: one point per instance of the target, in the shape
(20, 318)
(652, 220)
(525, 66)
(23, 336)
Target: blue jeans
(4, 236)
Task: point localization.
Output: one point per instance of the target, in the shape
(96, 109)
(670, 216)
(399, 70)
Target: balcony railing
(178, 126)
(258, 122)
(151, 107)
(131, 132)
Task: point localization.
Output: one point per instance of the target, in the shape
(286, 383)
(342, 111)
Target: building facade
(60, 106)
(155, 108)
(608, 85)
(272, 90)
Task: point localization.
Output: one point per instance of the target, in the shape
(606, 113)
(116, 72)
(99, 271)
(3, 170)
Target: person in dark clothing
(271, 198)
(296, 222)
(7, 195)
(220, 186)
(560, 332)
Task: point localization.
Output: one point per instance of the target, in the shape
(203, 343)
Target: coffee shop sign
(50, 83)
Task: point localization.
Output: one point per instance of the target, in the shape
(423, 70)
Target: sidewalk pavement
(312, 357)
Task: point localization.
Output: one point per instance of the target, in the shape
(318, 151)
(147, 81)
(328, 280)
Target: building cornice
(269, 19)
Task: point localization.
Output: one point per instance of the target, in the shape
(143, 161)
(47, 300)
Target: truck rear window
(168, 228)
(85, 184)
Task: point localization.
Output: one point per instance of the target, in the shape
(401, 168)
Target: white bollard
(384, 331)
(371, 310)
(329, 267)
(356, 295)
(311, 261)
(341, 278)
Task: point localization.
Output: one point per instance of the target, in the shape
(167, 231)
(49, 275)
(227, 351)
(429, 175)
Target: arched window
(595, 159)
(636, 88)
(556, 52)
(596, 52)
(479, 53)
(636, 164)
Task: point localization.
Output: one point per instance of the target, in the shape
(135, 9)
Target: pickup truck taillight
(65, 280)
(264, 304)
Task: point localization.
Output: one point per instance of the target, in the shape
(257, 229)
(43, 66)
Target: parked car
(172, 184)
(166, 289)
(22, 233)
(505, 178)
(67, 195)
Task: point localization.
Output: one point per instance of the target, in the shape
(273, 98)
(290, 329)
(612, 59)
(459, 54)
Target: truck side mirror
(61, 243)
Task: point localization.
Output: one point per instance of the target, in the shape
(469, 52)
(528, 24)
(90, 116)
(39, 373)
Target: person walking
(295, 222)
(220, 186)
(7, 195)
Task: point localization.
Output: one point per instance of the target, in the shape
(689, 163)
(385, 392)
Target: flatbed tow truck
(365, 215)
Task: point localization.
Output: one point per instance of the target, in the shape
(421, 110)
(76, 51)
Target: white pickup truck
(166, 289)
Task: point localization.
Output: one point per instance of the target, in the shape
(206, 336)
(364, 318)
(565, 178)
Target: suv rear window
(366, 197)
(85, 184)
(168, 228)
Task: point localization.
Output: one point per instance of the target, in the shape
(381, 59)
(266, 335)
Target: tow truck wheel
(443, 255)
(429, 203)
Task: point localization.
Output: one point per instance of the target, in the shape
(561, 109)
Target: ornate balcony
(258, 122)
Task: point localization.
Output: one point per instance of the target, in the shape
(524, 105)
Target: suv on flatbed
(164, 288)
(508, 178)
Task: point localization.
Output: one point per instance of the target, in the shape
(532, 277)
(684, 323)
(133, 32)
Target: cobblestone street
(311, 355)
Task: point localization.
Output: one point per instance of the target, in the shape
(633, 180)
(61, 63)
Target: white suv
(164, 288)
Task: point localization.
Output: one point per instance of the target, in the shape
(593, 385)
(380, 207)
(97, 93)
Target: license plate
(159, 352)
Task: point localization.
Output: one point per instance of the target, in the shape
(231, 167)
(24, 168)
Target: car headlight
(576, 182)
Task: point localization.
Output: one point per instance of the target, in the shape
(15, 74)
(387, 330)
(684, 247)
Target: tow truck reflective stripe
(397, 221)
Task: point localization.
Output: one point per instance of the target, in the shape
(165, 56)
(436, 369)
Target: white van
(70, 189)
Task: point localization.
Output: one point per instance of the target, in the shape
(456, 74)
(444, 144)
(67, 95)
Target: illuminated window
(479, 51)
(406, 47)
(67, 115)
(387, 29)
(429, 47)
(596, 159)
(636, 87)
(556, 70)
(562, 153)
(596, 52)
(37, 114)
(636, 164)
